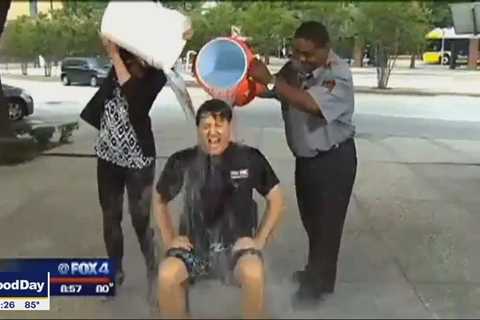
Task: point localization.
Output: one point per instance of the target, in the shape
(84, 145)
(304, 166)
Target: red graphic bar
(81, 280)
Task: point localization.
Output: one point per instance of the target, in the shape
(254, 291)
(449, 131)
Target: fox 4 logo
(84, 268)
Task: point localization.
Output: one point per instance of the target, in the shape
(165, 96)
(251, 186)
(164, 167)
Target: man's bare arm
(163, 218)
(272, 216)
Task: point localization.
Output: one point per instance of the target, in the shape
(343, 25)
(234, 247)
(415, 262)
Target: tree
(389, 27)
(54, 35)
(81, 21)
(267, 24)
(184, 6)
(83, 7)
(19, 40)
(414, 36)
(49, 39)
(441, 16)
(87, 41)
(335, 15)
(215, 22)
(65, 32)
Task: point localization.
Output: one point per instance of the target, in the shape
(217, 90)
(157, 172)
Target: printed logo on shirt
(239, 174)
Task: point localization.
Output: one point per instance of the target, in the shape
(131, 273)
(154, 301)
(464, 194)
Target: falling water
(178, 86)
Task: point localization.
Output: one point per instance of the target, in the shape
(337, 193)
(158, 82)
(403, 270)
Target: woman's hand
(110, 47)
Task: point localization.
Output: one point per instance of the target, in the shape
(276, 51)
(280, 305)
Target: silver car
(19, 102)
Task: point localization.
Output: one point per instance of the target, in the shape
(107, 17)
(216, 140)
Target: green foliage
(184, 6)
(390, 27)
(215, 22)
(336, 15)
(18, 39)
(268, 24)
(397, 26)
(73, 30)
(441, 15)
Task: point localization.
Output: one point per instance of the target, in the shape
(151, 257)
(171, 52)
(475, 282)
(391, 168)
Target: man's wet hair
(313, 31)
(216, 108)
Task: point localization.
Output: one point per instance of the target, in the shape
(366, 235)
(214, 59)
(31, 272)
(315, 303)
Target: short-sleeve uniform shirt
(332, 88)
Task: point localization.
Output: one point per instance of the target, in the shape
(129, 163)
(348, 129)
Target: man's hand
(110, 47)
(260, 243)
(247, 243)
(180, 242)
(259, 72)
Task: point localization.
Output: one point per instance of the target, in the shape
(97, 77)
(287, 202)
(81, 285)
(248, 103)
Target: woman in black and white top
(125, 149)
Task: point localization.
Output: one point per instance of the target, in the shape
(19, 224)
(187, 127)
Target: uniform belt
(334, 147)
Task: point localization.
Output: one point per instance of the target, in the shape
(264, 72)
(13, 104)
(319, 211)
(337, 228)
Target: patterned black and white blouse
(117, 141)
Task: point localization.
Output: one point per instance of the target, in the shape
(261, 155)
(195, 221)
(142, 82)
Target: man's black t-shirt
(218, 190)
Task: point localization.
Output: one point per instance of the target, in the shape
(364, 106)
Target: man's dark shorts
(219, 264)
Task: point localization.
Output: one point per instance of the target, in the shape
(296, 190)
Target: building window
(33, 8)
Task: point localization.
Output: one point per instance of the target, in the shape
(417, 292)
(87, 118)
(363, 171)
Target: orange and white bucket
(221, 68)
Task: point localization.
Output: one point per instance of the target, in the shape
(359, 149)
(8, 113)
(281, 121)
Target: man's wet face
(307, 55)
(214, 133)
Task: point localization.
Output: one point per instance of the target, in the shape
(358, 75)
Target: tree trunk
(48, 69)
(381, 59)
(358, 52)
(412, 61)
(382, 77)
(24, 68)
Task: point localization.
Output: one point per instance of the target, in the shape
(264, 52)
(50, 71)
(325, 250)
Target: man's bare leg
(172, 288)
(249, 272)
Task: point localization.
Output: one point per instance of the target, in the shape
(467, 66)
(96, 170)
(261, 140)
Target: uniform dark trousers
(323, 185)
(112, 181)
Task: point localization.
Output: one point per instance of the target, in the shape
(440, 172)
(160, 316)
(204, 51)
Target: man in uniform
(316, 93)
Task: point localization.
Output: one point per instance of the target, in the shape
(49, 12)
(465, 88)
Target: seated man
(218, 234)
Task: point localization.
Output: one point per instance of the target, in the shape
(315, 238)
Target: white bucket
(146, 29)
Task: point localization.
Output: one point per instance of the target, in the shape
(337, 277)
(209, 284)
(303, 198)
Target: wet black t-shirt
(218, 203)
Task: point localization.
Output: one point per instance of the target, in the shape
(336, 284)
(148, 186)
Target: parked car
(19, 102)
(84, 70)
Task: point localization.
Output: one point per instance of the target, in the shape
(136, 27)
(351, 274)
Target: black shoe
(300, 276)
(307, 297)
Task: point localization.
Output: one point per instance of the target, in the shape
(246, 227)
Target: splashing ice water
(178, 86)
